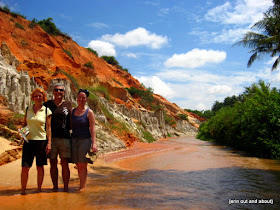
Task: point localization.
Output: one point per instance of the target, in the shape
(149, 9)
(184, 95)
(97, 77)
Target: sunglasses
(57, 89)
(37, 96)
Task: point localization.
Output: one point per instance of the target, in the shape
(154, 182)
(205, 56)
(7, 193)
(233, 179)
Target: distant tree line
(251, 123)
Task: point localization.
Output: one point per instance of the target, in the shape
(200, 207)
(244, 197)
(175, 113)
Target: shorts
(80, 147)
(60, 146)
(35, 148)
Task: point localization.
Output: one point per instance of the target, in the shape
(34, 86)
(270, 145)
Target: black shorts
(35, 148)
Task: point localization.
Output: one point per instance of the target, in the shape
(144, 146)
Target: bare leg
(65, 173)
(54, 174)
(24, 179)
(40, 177)
(82, 171)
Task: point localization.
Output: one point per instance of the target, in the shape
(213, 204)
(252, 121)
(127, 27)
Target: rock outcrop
(15, 86)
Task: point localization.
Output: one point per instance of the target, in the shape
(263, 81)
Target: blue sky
(180, 48)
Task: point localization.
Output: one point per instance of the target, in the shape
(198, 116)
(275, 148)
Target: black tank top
(80, 125)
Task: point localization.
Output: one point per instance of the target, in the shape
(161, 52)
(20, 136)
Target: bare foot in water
(82, 189)
(55, 189)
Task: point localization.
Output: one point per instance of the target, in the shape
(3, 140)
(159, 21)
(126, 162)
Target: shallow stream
(178, 173)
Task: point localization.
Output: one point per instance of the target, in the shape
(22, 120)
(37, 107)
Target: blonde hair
(40, 90)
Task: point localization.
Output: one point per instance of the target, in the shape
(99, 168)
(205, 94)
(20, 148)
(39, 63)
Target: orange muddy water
(178, 173)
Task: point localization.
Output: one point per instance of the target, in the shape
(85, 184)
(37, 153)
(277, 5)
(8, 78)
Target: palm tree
(268, 40)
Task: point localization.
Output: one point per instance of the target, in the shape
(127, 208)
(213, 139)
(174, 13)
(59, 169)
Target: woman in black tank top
(83, 136)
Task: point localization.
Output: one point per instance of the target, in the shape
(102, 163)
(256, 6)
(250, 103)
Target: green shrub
(148, 136)
(146, 95)
(18, 25)
(117, 82)
(8, 11)
(183, 117)
(33, 23)
(112, 60)
(93, 51)
(68, 53)
(50, 28)
(89, 65)
(5, 9)
(100, 89)
(168, 119)
(24, 43)
(15, 120)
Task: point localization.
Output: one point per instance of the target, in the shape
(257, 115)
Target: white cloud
(242, 12)
(200, 89)
(137, 37)
(227, 36)
(98, 25)
(195, 58)
(158, 85)
(66, 17)
(102, 48)
(164, 12)
(131, 55)
(220, 89)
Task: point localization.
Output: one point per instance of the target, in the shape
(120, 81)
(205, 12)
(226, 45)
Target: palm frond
(275, 65)
(252, 59)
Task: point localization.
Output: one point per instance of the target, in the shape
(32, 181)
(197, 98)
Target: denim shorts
(32, 149)
(60, 146)
(80, 147)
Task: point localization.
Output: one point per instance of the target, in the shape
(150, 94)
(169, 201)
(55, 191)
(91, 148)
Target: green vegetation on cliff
(112, 60)
(251, 124)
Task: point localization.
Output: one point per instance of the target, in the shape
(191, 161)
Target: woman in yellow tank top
(38, 119)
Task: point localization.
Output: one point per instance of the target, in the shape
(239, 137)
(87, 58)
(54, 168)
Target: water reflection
(182, 173)
(205, 189)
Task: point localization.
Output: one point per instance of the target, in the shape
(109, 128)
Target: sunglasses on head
(58, 89)
(84, 91)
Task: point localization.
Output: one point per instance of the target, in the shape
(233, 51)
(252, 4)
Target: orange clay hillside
(44, 56)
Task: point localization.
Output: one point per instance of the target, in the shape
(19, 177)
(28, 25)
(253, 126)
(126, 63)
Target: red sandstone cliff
(43, 56)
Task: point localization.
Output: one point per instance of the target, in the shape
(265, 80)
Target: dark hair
(84, 91)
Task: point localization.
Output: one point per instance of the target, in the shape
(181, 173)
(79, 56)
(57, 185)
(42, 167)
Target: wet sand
(10, 173)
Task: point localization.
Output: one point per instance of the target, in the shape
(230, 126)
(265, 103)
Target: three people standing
(51, 124)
